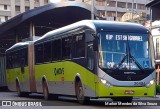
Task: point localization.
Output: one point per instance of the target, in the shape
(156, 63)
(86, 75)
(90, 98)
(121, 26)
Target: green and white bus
(87, 59)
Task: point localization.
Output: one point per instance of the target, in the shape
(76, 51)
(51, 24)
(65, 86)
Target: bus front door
(90, 66)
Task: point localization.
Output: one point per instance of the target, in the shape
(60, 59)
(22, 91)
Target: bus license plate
(130, 92)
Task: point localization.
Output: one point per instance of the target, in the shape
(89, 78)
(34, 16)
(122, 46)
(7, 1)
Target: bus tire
(80, 93)
(19, 92)
(45, 90)
(18, 89)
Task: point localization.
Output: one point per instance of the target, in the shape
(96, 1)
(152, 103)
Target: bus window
(22, 65)
(79, 45)
(39, 53)
(26, 56)
(56, 50)
(66, 47)
(16, 59)
(47, 52)
(9, 61)
(90, 62)
(23, 55)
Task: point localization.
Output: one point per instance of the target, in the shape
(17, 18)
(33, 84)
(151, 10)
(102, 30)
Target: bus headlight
(105, 82)
(150, 83)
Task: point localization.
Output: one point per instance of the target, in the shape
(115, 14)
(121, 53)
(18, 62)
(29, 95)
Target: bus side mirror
(95, 44)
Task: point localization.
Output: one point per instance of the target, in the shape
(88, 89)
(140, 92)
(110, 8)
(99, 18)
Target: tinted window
(16, 59)
(66, 47)
(79, 45)
(56, 50)
(9, 60)
(39, 53)
(47, 52)
(90, 62)
(24, 57)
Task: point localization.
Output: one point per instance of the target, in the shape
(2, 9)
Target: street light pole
(92, 10)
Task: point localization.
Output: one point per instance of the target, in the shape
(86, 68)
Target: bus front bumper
(117, 91)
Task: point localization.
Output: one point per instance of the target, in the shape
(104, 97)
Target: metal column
(31, 30)
(2, 72)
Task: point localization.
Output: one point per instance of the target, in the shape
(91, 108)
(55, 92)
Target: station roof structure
(154, 9)
(44, 19)
(155, 3)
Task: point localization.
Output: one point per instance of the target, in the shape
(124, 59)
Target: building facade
(115, 9)
(11, 8)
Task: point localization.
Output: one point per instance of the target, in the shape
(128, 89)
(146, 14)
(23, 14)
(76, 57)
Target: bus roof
(18, 46)
(115, 26)
(97, 25)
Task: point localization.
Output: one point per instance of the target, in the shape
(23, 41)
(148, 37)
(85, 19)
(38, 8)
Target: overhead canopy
(155, 3)
(155, 7)
(44, 19)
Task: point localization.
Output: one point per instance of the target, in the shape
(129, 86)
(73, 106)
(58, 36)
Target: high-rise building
(115, 9)
(11, 8)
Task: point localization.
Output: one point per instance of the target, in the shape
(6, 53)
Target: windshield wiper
(124, 58)
(129, 57)
(136, 62)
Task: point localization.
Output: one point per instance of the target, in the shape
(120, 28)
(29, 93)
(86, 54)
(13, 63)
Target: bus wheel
(18, 89)
(45, 91)
(80, 93)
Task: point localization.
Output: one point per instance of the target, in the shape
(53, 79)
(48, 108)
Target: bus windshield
(130, 51)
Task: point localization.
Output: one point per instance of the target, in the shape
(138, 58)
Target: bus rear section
(20, 68)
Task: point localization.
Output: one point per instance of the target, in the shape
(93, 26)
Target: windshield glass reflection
(124, 51)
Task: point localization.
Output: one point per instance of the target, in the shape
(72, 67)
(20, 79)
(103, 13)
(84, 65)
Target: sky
(53, 1)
